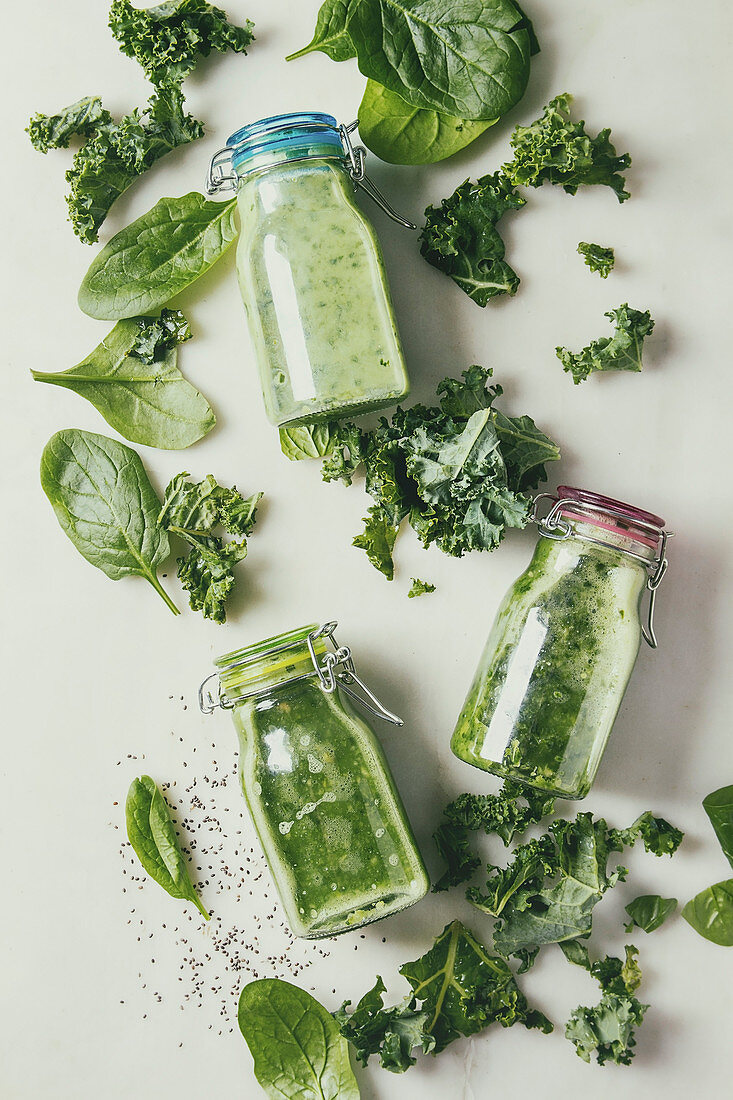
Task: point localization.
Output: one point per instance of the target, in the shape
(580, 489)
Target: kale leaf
(419, 588)
(80, 119)
(378, 539)
(597, 258)
(460, 237)
(193, 511)
(621, 351)
(560, 151)
(607, 1029)
(458, 989)
(158, 335)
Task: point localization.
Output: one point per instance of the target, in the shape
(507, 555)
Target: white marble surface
(101, 680)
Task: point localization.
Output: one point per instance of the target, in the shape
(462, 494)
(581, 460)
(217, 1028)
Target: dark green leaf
(719, 808)
(296, 1046)
(608, 1029)
(534, 46)
(419, 588)
(469, 60)
(378, 541)
(152, 834)
(330, 35)
(657, 835)
(193, 511)
(622, 351)
(460, 237)
(461, 398)
(710, 913)
(157, 256)
(400, 133)
(346, 453)
(649, 911)
(597, 258)
(80, 119)
(455, 850)
(167, 40)
(154, 405)
(158, 335)
(560, 151)
(576, 953)
(106, 505)
(392, 1033)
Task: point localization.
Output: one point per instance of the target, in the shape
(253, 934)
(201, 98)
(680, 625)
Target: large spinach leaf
(152, 834)
(710, 913)
(719, 808)
(466, 58)
(297, 1049)
(106, 505)
(330, 36)
(145, 400)
(157, 256)
(401, 133)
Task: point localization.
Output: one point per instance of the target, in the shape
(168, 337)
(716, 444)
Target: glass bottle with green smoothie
(320, 792)
(311, 270)
(563, 645)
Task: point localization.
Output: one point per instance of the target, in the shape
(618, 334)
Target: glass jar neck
(260, 667)
(610, 540)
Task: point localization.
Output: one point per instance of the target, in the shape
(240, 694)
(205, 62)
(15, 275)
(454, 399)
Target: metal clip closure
(208, 699)
(216, 178)
(355, 156)
(337, 670)
(552, 526)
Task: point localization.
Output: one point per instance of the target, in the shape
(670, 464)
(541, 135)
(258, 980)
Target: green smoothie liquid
(313, 283)
(555, 669)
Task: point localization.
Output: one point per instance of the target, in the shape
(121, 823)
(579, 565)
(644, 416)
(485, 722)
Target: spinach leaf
(719, 808)
(649, 911)
(296, 1046)
(152, 834)
(597, 258)
(106, 505)
(621, 351)
(559, 151)
(458, 989)
(419, 588)
(193, 511)
(378, 539)
(150, 404)
(460, 237)
(401, 133)
(157, 256)
(330, 36)
(167, 40)
(468, 59)
(607, 1030)
(710, 913)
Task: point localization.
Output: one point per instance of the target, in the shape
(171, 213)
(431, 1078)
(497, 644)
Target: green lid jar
(320, 792)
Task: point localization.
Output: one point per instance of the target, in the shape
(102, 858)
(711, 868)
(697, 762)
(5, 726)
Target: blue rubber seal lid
(301, 134)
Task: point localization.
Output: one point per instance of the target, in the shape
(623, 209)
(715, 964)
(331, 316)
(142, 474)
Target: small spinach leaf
(469, 60)
(157, 256)
(710, 913)
(152, 834)
(649, 911)
(150, 404)
(105, 503)
(401, 133)
(297, 1049)
(719, 808)
(330, 36)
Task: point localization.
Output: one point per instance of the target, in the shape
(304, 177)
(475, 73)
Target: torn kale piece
(621, 351)
(597, 258)
(607, 1030)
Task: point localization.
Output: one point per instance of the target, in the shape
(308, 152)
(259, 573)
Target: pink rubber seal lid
(611, 515)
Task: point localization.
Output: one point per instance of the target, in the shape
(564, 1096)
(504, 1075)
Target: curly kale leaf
(168, 39)
(193, 512)
(622, 351)
(656, 834)
(460, 237)
(597, 258)
(607, 1030)
(419, 588)
(560, 151)
(80, 119)
(378, 539)
(458, 989)
(158, 335)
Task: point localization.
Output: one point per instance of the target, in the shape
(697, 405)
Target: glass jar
(563, 645)
(320, 792)
(311, 270)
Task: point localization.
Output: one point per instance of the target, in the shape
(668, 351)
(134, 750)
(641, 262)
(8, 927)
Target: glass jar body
(315, 291)
(555, 668)
(326, 810)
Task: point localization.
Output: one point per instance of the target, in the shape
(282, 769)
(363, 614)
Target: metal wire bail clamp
(356, 156)
(337, 670)
(552, 526)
